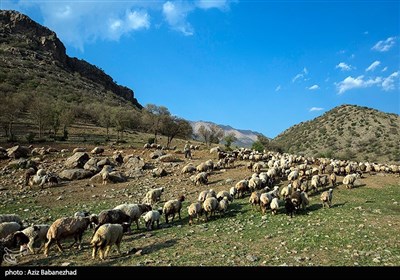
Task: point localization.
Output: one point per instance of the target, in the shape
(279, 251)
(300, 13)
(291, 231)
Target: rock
(103, 162)
(251, 258)
(77, 160)
(97, 150)
(133, 162)
(18, 152)
(66, 264)
(159, 172)
(75, 174)
(118, 158)
(76, 150)
(91, 165)
(168, 158)
(156, 154)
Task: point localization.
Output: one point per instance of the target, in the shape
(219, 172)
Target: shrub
(30, 137)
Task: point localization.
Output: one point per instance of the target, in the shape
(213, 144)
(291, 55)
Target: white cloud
(314, 87)
(278, 88)
(388, 83)
(131, 22)
(209, 4)
(384, 69)
(373, 66)
(313, 109)
(175, 14)
(366, 33)
(344, 67)
(300, 75)
(384, 46)
(359, 82)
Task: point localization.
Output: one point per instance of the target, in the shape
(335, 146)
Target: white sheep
(286, 191)
(172, 207)
(134, 211)
(222, 194)
(189, 168)
(194, 210)
(274, 205)
(326, 198)
(233, 191)
(349, 180)
(242, 187)
(151, 217)
(64, 228)
(254, 199)
(106, 236)
(7, 228)
(201, 179)
(36, 234)
(153, 196)
(223, 206)
(210, 205)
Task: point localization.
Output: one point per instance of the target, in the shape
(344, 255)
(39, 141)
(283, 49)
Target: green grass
(360, 229)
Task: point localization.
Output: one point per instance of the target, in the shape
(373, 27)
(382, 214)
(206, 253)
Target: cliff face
(21, 36)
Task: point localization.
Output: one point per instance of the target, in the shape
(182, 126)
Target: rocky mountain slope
(32, 58)
(347, 131)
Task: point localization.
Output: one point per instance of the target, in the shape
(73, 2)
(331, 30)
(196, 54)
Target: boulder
(18, 152)
(91, 165)
(77, 160)
(75, 174)
(97, 150)
(159, 172)
(76, 150)
(156, 154)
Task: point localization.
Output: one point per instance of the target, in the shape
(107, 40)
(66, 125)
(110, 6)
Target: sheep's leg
(158, 223)
(47, 247)
(60, 248)
(94, 252)
(30, 245)
(118, 248)
(137, 223)
(166, 218)
(179, 213)
(101, 251)
(173, 217)
(107, 252)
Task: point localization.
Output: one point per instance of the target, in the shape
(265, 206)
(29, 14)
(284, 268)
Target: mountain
(245, 138)
(32, 58)
(348, 132)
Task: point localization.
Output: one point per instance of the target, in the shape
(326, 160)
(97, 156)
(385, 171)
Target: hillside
(33, 59)
(348, 132)
(245, 138)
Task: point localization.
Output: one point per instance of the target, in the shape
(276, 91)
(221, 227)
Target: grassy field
(361, 229)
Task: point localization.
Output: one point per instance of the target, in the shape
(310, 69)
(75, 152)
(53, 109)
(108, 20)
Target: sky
(256, 65)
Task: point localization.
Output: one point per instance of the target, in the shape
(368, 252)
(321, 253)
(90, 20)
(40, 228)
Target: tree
(258, 146)
(121, 118)
(175, 127)
(39, 109)
(152, 118)
(11, 106)
(229, 139)
(212, 134)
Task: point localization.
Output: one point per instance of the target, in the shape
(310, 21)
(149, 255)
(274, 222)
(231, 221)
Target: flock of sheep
(306, 176)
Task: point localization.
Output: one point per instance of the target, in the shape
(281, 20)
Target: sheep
(195, 209)
(35, 234)
(349, 180)
(223, 194)
(254, 199)
(315, 183)
(188, 168)
(29, 173)
(152, 216)
(296, 199)
(254, 183)
(153, 196)
(265, 200)
(242, 186)
(233, 191)
(223, 206)
(304, 200)
(64, 228)
(134, 211)
(173, 206)
(7, 228)
(274, 205)
(210, 205)
(293, 175)
(289, 206)
(10, 218)
(286, 191)
(106, 236)
(202, 167)
(12, 240)
(332, 177)
(326, 198)
(203, 195)
(201, 179)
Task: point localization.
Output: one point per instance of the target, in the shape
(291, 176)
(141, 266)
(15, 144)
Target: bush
(30, 137)
(151, 140)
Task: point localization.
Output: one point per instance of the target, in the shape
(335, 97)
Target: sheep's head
(182, 198)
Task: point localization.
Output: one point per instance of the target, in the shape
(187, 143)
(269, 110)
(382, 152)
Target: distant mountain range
(245, 138)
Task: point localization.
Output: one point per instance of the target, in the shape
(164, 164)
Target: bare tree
(175, 127)
(211, 134)
(39, 109)
(152, 118)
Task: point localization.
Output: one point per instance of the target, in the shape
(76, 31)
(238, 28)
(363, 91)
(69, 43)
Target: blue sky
(258, 65)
